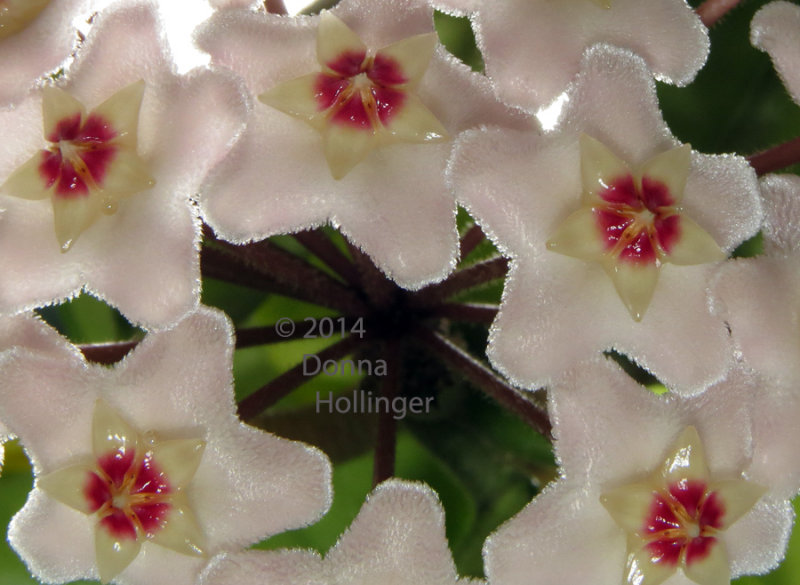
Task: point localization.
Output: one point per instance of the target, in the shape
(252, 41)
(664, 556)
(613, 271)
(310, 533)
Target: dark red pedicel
(668, 527)
(363, 92)
(92, 153)
(141, 487)
(617, 219)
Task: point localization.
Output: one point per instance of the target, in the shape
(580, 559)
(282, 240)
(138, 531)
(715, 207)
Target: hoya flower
(398, 537)
(776, 29)
(532, 48)
(352, 126)
(36, 36)
(613, 228)
(652, 489)
(97, 173)
(760, 297)
(143, 471)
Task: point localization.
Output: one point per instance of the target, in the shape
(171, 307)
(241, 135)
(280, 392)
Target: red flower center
(130, 494)
(79, 155)
(683, 523)
(639, 223)
(362, 92)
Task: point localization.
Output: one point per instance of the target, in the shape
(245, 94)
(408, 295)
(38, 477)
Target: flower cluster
(617, 245)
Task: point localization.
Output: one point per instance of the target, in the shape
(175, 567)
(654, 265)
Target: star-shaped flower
(651, 488)
(532, 48)
(36, 36)
(133, 487)
(374, 98)
(613, 189)
(90, 161)
(359, 101)
(398, 537)
(674, 519)
(631, 222)
(143, 471)
(126, 143)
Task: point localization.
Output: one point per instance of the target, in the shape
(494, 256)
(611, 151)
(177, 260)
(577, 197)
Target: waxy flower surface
(143, 471)
(776, 29)
(651, 488)
(361, 103)
(398, 537)
(30, 332)
(612, 227)
(532, 48)
(97, 173)
(760, 297)
(36, 36)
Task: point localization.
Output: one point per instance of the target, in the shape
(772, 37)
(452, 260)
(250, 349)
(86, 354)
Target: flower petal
(599, 167)
(415, 123)
(738, 497)
(110, 432)
(410, 56)
(180, 531)
(113, 554)
(127, 174)
(257, 567)
(296, 97)
(38, 49)
(687, 459)
(68, 485)
(641, 570)
(62, 114)
(629, 505)
(694, 245)
(714, 569)
(579, 236)
(345, 148)
(670, 168)
(179, 459)
(533, 48)
(775, 28)
(339, 49)
(635, 284)
(398, 537)
(26, 182)
(121, 112)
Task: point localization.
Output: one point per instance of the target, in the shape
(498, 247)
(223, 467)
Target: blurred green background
(484, 463)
